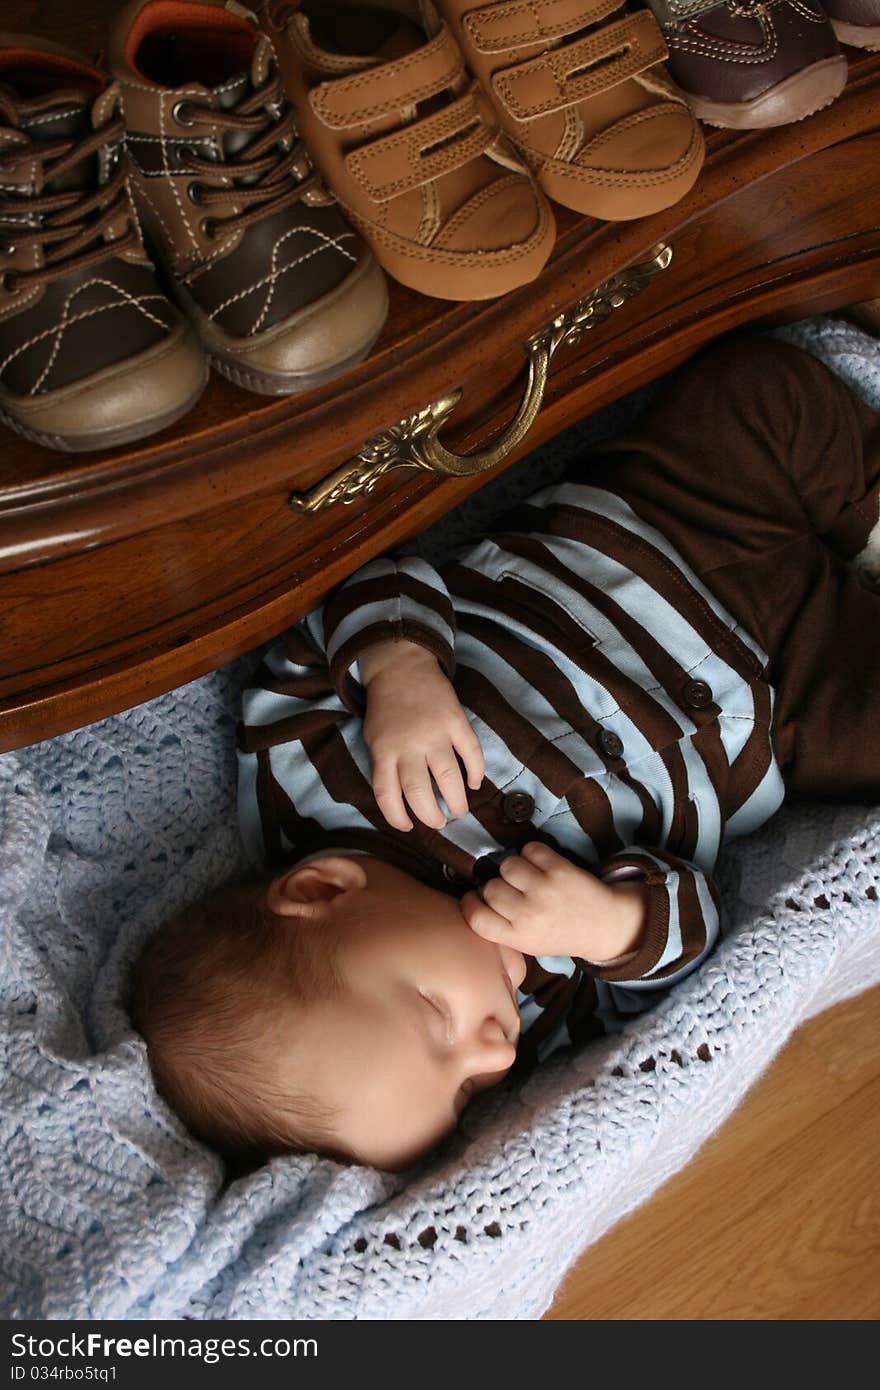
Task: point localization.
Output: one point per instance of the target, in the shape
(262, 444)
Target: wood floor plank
(778, 1216)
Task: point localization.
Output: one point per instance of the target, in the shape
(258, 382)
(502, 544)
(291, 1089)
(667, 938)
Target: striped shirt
(624, 716)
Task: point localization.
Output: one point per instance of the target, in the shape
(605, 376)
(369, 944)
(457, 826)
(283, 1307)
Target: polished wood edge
(162, 663)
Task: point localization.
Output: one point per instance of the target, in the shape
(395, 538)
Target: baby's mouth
(514, 964)
(512, 1032)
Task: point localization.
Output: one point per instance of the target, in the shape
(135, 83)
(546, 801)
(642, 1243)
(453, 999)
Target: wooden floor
(778, 1216)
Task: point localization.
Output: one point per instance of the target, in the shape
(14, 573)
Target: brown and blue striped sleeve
(387, 599)
(682, 918)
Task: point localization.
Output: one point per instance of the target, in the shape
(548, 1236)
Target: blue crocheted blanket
(108, 1209)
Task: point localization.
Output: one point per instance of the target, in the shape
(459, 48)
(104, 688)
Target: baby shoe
(283, 293)
(856, 22)
(411, 145)
(580, 88)
(91, 352)
(752, 63)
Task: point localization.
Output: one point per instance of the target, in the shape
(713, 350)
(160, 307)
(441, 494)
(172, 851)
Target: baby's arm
(389, 635)
(644, 917)
(414, 727)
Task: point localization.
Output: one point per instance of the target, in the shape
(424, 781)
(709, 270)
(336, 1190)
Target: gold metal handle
(413, 442)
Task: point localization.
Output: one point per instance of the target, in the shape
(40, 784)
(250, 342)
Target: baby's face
(426, 1017)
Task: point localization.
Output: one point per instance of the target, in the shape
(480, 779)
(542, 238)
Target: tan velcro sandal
(580, 88)
(410, 145)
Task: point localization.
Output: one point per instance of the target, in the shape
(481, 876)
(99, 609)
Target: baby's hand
(414, 726)
(543, 905)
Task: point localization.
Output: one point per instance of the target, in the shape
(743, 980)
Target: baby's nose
(489, 1048)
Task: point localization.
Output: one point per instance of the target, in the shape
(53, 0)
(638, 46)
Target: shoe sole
(858, 35)
(104, 439)
(266, 384)
(798, 96)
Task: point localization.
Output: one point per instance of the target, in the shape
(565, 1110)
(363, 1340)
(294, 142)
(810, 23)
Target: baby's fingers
(389, 797)
(504, 899)
(520, 873)
(483, 919)
(469, 749)
(447, 774)
(415, 783)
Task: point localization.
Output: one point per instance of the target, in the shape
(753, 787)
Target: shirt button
(698, 694)
(610, 744)
(453, 877)
(517, 806)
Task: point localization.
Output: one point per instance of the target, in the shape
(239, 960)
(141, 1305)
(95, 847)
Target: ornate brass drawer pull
(413, 441)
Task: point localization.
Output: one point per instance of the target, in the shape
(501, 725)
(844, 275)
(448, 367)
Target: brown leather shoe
(411, 145)
(580, 88)
(91, 352)
(283, 293)
(752, 63)
(856, 22)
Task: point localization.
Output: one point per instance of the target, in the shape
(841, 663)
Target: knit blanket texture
(108, 1209)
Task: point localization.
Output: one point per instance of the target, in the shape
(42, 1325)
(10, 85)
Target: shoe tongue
(431, 21)
(229, 94)
(234, 90)
(345, 40)
(65, 114)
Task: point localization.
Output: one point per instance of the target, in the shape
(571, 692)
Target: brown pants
(763, 469)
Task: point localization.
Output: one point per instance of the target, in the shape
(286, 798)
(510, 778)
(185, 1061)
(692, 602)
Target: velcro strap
(422, 151)
(383, 91)
(518, 23)
(579, 70)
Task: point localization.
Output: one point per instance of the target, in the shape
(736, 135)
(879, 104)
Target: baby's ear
(299, 891)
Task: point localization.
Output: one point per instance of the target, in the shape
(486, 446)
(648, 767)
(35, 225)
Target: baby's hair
(212, 996)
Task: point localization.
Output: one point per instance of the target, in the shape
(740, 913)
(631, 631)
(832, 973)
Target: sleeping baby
(487, 802)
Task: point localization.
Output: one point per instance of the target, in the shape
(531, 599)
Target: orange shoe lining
(217, 31)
